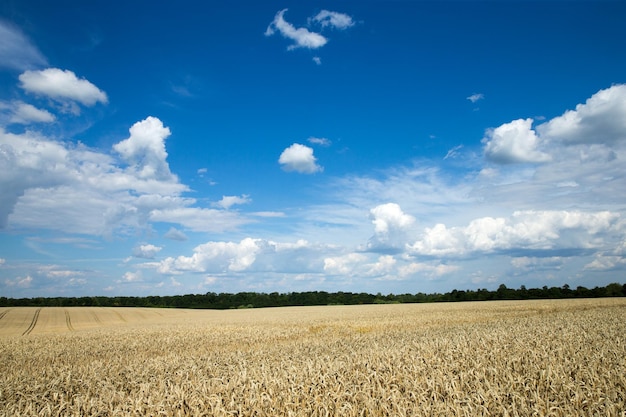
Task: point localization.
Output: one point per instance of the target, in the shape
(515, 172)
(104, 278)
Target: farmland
(556, 357)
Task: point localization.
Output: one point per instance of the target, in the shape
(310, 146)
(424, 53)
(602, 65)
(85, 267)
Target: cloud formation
(146, 251)
(476, 97)
(302, 37)
(145, 150)
(18, 112)
(335, 20)
(514, 142)
(62, 86)
(305, 38)
(299, 158)
(74, 189)
(16, 50)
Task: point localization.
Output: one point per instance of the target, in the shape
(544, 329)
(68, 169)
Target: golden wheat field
(516, 358)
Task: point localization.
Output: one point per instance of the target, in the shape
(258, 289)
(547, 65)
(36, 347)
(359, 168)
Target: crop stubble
(558, 358)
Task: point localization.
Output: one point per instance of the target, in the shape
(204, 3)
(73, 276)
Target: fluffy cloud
(601, 120)
(146, 251)
(16, 51)
(88, 192)
(24, 113)
(302, 37)
(228, 201)
(391, 228)
(524, 231)
(333, 19)
(62, 86)
(389, 217)
(145, 150)
(514, 142)
(344, 265)
(299, 158)
(215, 257)
(175, 234)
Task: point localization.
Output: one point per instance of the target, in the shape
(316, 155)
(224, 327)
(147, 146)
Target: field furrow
(68, 321)
(33, 323)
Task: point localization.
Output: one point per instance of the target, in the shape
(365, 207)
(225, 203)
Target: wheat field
(507, 358)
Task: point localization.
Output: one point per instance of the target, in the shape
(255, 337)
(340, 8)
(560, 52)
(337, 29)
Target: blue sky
(372, 146)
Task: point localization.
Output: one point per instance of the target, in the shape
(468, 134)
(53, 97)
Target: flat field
(517, 358)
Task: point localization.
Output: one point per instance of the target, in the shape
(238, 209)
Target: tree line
(223, 301)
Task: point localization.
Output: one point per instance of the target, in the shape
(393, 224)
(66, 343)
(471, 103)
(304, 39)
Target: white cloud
(317, 60)
(601, 120)
(228, 201)
(319, 141)
(299, 158)
(453, 153)
(145, 150)
(334, 19)
(606, 263)
(175, 234)
(475, 97)
(19, 282)
(16, 50)
(71, 188)
(302, 37)
(131, 277)
(426, 269)
(146, 251)
(24, 113)
(199, 219)
(524, 231)
(514, 142)
(389, 217)
(530, 263)
(62, 86)
(344, 265)
(214, 257)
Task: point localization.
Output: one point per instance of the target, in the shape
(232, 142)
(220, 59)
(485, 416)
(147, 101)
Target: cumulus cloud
(335, 20)
(343, 265)
(601, 119)
(228, 201)
(53, 185)
(145, 150)
(514, 142)
(131, 277)
(175, 234)
(302, 37)
(24, 113)
(214, 257)
(16, 50)
(389, 217)
(299, 158)
(62, 86)
(525, 231)
(146, 251)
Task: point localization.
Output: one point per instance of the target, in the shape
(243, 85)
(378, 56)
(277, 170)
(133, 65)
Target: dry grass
(542, 358)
